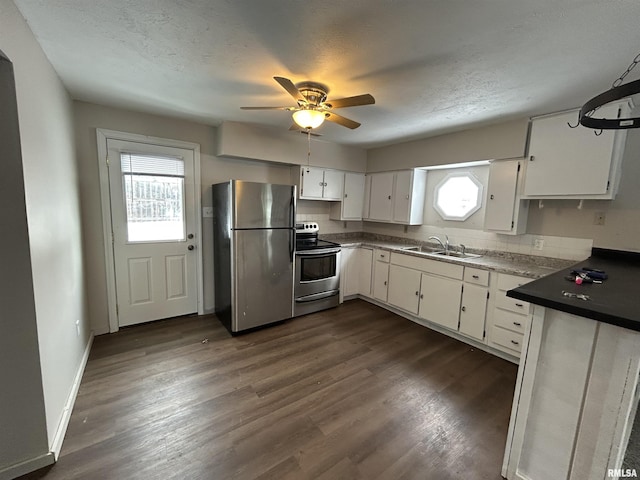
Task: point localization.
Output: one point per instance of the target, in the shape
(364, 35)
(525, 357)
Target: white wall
(53, 213)
(23, 431)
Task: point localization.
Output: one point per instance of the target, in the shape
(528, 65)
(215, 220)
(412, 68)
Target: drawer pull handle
(385, 283)
(475, 276)
(515, 343)
(464, 309)
(382, 255)
(517, 324)
(421, 296)
(519, 305)
(417, 293)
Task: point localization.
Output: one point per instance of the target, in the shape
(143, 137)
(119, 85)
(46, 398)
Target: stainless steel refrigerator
(254, 246)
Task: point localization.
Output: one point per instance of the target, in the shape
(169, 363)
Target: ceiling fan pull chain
(309, 149)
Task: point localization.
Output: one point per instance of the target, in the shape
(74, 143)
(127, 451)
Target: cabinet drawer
(507, 341)
(477, 276)
(512, 304)
(508, 282)
(381, 255)
(510, 321)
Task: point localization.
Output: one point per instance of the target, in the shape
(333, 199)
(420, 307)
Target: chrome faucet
(443, 245)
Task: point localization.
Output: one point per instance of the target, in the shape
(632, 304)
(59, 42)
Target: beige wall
(53, 218)
(503, 140)
(243, 140)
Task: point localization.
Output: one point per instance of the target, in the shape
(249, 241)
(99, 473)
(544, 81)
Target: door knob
(190, 247)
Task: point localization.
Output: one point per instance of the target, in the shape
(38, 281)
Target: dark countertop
(615, 301)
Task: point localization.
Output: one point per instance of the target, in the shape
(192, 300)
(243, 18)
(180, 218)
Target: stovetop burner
(307, 238)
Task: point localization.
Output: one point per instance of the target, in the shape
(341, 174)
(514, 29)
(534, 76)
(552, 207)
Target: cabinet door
(402, 196)
(380, 200)
(364, 265)
(333, 181)
(312, 183)
(380, 281)
(353, 198)
(501, 196)
(566, 161)
(367, 197)
(473, 311)
(346, 285)
(440, 300)
(404, 288)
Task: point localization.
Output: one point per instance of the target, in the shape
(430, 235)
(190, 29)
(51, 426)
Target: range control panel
(307, 227)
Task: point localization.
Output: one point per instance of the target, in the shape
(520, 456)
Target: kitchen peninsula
(576, 393)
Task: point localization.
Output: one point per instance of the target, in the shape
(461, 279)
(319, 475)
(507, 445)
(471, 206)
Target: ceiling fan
(313, 108)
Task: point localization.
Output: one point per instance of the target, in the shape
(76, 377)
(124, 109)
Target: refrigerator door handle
(292, 244)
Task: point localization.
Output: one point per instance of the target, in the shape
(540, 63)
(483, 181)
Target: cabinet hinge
(518, 166)
(108, 161)
(462, 288)
(512, 224)
(487, 294)
(608, 183)
(458, 324)
(117, 309)
(484, 334)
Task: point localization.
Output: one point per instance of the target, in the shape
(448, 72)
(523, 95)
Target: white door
(312, 182)
(333, 182)
(402, 193)
(353, 196)
(152, 194)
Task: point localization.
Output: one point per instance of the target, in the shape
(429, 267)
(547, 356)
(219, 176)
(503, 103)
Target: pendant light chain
(620, 79)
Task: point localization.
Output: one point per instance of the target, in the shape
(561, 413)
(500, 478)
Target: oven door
(317, 271)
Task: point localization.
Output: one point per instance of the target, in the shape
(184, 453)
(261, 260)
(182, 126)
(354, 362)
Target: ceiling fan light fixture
(308, 118)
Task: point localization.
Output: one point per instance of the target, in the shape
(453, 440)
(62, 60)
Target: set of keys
(586, 275)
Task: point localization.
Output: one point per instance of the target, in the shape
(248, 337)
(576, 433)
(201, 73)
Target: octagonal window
(458, 196)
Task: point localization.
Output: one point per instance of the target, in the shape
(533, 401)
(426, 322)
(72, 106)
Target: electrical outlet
(207, 212)
(599, 218)
(538, 244)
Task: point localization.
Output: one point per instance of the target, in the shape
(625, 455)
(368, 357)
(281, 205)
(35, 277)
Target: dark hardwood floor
(348, 393)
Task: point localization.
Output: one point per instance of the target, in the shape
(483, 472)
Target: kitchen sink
(423, 249)
(455, 254)
(439, 253)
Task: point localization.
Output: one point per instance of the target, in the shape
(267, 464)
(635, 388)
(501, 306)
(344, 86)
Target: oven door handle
(317, 252)
(317, 296)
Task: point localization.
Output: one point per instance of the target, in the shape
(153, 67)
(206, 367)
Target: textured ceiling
(433, 66)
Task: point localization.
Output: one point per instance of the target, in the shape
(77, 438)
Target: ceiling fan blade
(290, 87)
(265, 108)
(345, 122)
(364, 99)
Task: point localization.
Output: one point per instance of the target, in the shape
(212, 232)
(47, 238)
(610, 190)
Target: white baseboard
(56, 444)
(27, 466)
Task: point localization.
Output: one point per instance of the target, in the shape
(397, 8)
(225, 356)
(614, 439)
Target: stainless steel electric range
(317, 271)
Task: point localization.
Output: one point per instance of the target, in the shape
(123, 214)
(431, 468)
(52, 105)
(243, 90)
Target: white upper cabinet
(350, 208)
(576, 163)
(381, 197)
(320, 184)
(397, 197)
(505, 212)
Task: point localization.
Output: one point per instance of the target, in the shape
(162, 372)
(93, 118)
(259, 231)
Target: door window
(154, 196)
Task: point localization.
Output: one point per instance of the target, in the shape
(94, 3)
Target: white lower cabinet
(380, 275)
(440, 300)
(510, 317)
(355, 271)
(404, 288)
(473, 311)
